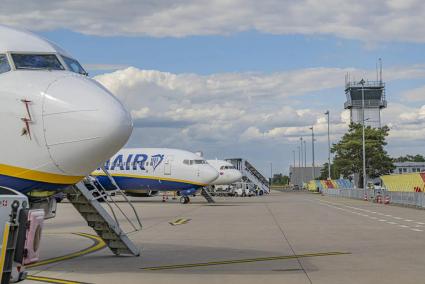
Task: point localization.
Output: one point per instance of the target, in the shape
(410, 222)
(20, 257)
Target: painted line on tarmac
(180, 221)
(98, 244)
(52, 280)
(238, 261)
(340, 207)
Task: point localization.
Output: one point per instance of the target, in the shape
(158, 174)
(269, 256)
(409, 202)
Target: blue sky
(243, 78)
(241, 52)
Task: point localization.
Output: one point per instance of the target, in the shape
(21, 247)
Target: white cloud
(231, 107)
(252, 114)
(416, 95)
(371, 21)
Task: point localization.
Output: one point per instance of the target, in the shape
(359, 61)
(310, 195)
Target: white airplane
(57, 125)
(142, 170)
(228, 174)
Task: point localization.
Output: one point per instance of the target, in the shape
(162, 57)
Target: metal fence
(411, 199)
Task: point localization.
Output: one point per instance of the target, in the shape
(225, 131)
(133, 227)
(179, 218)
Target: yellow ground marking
(4, 247)
(98, 244)
(180, 221)
(246, 260)
(52, 280)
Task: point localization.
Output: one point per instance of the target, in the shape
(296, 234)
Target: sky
(245, 79)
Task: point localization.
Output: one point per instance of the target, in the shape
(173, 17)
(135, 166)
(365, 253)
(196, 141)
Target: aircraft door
(167, 165)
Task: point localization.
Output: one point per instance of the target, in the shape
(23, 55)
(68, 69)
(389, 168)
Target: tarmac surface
(285, 237)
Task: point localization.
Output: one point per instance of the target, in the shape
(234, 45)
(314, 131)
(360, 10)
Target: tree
(280, 179)
(348, 152)
(410, 158)
(335, 174)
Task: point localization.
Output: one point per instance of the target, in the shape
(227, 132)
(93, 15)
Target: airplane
(57, 124)
(139, 171)
(228, 174)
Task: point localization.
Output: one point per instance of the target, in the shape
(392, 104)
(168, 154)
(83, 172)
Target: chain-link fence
(413, 199)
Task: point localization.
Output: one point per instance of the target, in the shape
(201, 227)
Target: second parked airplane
(139, 171)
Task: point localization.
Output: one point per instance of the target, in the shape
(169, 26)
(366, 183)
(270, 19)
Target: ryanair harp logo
(156, 160)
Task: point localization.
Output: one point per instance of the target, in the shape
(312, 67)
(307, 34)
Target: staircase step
(99, 219)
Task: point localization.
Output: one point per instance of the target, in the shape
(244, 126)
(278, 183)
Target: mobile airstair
(207, 195)
(88, 196)
(251, 174)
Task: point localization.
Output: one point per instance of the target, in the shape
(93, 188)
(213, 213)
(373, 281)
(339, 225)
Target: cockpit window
(74, 65)
(4, 64)
(37, 62)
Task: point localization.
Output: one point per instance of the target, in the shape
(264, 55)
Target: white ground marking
(339, 206)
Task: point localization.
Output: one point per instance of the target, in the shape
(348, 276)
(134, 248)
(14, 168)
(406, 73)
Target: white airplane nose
(82, 132)
(209, 174)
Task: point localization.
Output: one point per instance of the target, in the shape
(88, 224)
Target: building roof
(409, 164)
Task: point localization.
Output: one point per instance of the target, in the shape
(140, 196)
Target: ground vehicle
(245, 189)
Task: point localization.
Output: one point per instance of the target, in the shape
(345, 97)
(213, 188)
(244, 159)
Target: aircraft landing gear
(184, 199)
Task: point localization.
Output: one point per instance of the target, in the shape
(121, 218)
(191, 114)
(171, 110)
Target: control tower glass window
(37, 62)
(4, 64)
(74, 65)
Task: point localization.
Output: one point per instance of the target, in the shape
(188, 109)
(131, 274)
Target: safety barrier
(411, 182)
(411, 199)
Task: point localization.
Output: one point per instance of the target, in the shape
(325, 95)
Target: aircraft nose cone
(210, 174)
(84, 124)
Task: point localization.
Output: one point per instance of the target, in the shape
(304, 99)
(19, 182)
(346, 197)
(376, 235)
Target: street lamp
(271, 173)
(301, 147)
(305, 154)
(362, 82)
(312, 151)
(329, 147)
(293, 151)
(299, 157)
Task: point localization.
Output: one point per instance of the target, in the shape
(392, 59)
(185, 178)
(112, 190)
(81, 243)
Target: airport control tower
(374, 100)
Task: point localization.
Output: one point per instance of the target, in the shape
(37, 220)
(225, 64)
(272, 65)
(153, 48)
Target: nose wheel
(184, 199)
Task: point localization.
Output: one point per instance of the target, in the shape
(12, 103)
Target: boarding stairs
(250, 173)
(86, 195)
(207, 195)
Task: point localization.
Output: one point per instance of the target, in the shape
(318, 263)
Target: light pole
(293, 151)
(312, 151)
(363, 139)
(301, 147)
(299, 157)
(301, 162)
(329, 147)
(305, 154)
(271, 173)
